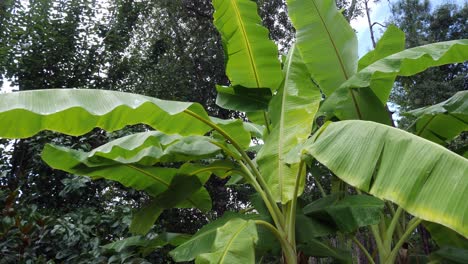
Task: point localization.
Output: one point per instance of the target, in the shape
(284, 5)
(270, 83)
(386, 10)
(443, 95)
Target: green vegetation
(319, 106)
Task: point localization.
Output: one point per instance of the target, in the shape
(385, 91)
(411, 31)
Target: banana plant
(321, 79)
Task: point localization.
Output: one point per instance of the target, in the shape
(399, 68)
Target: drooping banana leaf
(392, 41)
(347, 214)
(234, 243)
(243, 99)
(76, 112)
(203, 240)
(422, 177)
(153, 180)
(143, 220)
(135, 242)
(316, 248)
(252, 58)
(149, 148)
(181, 188)
(444, 121)
(365, 94)
(147, 244)
(449, 255)
(380, 75)
(444, 236)
(362, 104)
(326, 40)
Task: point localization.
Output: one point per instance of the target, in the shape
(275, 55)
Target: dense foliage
(281, 107)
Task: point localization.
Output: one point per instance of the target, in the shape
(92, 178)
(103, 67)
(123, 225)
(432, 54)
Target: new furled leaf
(398, 166)
(292, 112)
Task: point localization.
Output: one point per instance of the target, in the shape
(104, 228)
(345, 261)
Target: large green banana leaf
(347, 214)
(326, 40)
(202, 242)
(362, 103)
(243, 99)
(153, 180)
(449, 255)
(149, 148)
(444, 236)
(252, 58)
(292, 112)
(147, 245)
(234, 243)
(76, 112)
(453, 246)
(315, 248)
(181, 188)
(365, 94)
(444, 121)
(392, 41)
(380, 75)
(424, 178)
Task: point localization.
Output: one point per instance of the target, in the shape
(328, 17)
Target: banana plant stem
(291, 223)
(378, 240)
(257, 187)
(258, 177)
(288, 250)
(411, 226)
(364, 250)
(393, 224)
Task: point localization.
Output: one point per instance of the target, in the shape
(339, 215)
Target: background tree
(423, 25)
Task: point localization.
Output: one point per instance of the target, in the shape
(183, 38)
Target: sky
(380, 12)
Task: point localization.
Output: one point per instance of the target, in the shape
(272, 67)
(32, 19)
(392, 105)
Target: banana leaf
(234, 243)
(292, 112)
(153, 180)
(392, 41)
(347, 214)
(77, 111)
(181, 187)
(376, 80)
(252, 58)
(203, 241)
(380, 75)
(149, 148)
(422, 177)
(326, 40)
(444, 121)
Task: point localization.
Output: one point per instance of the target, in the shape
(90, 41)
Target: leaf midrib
(281, 123)
(231, 241)
(340, 60)
(246, 41)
